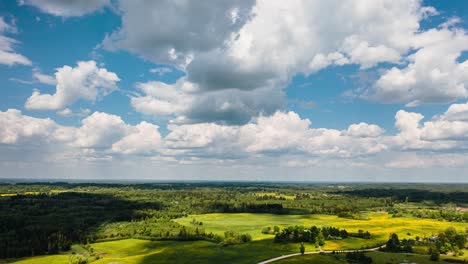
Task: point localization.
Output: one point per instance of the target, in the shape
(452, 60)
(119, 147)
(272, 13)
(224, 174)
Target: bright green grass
(137, 251)
(141, 251)
(315, 258)
(381, 225)
(52, 259)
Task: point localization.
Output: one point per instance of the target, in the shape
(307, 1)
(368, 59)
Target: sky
(234, 90)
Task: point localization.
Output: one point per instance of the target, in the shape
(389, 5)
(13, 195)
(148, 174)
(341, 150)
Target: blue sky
(234, 90)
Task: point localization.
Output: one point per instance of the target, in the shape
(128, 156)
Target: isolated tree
(434, 253)
(393, 244)
(276, 229)
(320, 239)
(302, 248)
(435, 256)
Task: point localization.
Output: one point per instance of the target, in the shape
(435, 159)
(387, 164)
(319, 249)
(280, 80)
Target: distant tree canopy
(411, 195)
(272, 208)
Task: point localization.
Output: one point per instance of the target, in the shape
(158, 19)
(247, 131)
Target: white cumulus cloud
(85, 81)
(15, 127)
(433, 75)
(143, 139)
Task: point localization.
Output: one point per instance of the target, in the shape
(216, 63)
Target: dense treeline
(314, 235)
(301, 234)
(44, 223)
(448, 214)
(412, 195)
(272, 208)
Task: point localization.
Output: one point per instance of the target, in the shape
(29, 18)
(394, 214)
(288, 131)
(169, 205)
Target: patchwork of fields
(262, 247)
(380, 225)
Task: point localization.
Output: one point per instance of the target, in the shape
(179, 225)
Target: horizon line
(168, 181)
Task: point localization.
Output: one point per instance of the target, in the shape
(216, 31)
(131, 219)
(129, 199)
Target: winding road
(321, 251)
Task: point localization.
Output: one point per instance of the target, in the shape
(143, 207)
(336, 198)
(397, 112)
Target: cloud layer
(252, 49)
(278, 135)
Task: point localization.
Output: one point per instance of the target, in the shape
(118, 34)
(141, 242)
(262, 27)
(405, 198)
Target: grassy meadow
(380, 225)
(136, 251)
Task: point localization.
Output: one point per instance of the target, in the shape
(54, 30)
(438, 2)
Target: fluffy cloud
(67, 8)
(143, 139)
(456, 112)
(189, 27)
(364, 130)
(161, 99)
(433, 75)
(280, 133)
(86, 81)
(321, 61)
(182, 101)
(99, 133)
(7, 54)
(100, 130)
(259, 45)
(283, 39)
(269, 133)
(15, 127)
(440, 134)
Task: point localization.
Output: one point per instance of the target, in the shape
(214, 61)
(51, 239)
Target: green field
(53, 259)
(316, 258)
(144, 251)
(380, 225)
